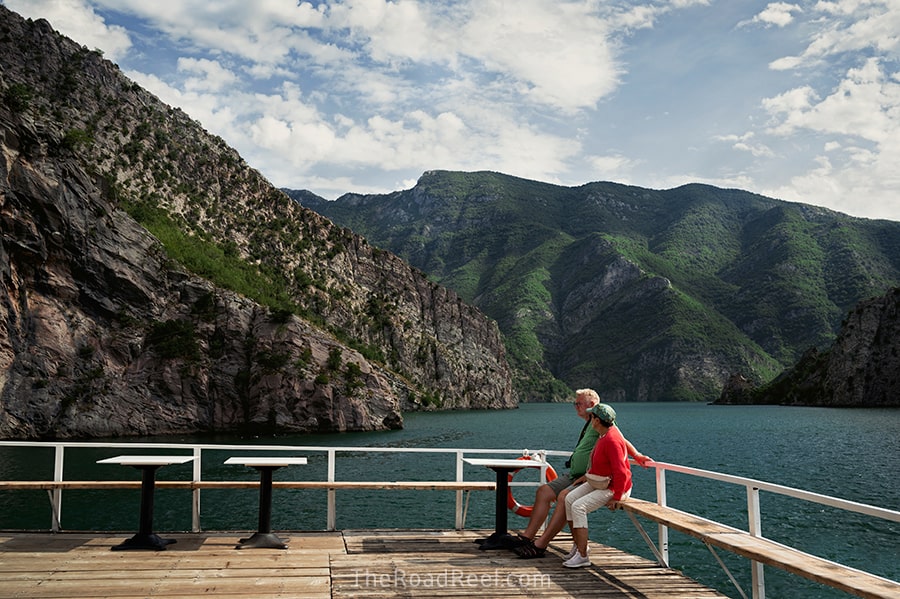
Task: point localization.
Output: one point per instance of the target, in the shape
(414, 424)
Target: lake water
(847, 453)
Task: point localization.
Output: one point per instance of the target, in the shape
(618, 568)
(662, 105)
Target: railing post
(661, 500)
(56, 494)
(460, 523)
(195, 499)
(758, 581)
(330, 515)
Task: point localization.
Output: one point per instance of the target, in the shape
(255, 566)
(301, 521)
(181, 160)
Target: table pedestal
(264, 537)
(145, 538)
(500, 539)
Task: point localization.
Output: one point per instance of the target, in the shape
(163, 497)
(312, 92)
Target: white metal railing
(752, 486)
(331, 453)
(754, 517)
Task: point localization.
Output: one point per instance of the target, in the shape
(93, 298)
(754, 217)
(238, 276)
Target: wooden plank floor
(363, 563)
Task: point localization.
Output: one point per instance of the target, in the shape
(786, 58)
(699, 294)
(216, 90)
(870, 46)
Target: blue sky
(795, 100)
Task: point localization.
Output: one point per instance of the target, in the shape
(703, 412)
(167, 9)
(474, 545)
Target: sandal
(519, 541)
(530, 551)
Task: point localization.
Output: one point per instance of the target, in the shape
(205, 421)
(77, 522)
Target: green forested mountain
(643, 294)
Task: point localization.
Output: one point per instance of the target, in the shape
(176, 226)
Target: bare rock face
(737, 390)
(863, 366)
(104, 332)
(101, 338)
(861, 369)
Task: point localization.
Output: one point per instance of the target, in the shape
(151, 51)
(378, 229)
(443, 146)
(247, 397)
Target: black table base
(150, 541)
(500, 539)
(145, 538)
(262, 540)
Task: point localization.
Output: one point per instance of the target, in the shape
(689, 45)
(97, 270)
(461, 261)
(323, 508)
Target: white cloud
(210, 75)
(779, 14)
(745, 143)
(785, 63)
(861, 116)
(390, 31)
(263, 31)
(689, 3)
(850, 26)
(865, 104)
(340, 95)
(156, 86)
(77, 20)
(416, 140)
(636, 17)
(613, 167)
(855, 189)
(555, 53)
(787, 104)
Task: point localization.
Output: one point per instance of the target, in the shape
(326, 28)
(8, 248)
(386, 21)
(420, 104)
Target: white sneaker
(574, 550)
(577, 561)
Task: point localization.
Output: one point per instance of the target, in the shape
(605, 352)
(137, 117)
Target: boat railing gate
(753, 487)
(332, 455)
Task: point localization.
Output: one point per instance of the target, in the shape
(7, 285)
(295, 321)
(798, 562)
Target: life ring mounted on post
(515, 506)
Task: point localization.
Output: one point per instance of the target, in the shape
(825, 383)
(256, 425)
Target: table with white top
(501, 539)
(148, 465)
(264, 537)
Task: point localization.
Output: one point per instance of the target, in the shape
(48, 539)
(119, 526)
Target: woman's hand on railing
(642, 459)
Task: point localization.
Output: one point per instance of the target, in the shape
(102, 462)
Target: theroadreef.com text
(449, 579)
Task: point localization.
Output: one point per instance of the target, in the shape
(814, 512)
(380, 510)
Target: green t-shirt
(581, 456)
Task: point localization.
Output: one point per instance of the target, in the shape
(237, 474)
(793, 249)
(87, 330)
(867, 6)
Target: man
(556, 490)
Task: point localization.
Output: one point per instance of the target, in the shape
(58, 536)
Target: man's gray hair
(590, 394)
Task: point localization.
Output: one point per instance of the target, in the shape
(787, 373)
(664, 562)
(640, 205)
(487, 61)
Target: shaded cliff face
(107, 329)
(861, 369)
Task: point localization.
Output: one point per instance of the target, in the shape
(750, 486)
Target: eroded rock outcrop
(861, 368)
(107, 329)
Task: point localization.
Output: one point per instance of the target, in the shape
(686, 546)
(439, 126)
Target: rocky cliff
(861, 368)
(154, 283)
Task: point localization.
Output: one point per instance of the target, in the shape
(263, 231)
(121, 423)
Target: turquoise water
(850, 454)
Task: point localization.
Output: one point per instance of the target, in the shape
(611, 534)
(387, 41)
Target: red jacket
(610, 458)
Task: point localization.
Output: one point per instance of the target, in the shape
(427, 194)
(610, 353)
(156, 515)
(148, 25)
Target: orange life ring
(515, 506)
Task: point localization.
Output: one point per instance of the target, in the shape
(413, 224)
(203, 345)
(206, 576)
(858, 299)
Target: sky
(798, 101)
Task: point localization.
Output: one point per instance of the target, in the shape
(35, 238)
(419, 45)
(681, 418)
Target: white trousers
(583, 500)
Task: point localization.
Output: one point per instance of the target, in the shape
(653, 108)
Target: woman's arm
(638, 456)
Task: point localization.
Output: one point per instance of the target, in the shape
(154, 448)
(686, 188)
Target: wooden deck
(322, 565)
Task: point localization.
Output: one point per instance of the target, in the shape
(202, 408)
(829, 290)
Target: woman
(608, 478)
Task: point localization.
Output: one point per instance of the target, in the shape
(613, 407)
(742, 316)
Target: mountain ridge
(682, 288)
